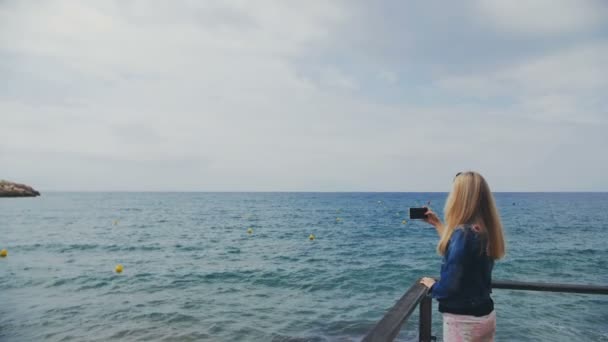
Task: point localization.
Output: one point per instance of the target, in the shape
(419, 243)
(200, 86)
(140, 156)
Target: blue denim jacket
(466, 275)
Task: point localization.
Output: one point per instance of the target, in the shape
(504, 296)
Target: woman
(470, 240)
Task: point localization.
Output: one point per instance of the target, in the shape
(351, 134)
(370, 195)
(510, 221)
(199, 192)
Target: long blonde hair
(471, 201)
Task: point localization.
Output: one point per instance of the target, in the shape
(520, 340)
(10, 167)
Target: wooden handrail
(390, 325)
(549, 287)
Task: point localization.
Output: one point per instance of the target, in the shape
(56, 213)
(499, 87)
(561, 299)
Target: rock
(10, 189)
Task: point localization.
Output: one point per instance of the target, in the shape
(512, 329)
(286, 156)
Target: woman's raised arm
(434, 220)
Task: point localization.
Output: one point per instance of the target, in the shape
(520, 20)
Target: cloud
(271, 95)
(542, 17)
(565, 86)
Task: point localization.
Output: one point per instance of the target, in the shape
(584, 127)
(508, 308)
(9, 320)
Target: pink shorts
(463, 328)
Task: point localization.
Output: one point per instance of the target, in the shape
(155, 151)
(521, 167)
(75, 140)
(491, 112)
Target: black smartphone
(417, 213)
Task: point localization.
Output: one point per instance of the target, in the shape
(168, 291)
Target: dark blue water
(191, 271)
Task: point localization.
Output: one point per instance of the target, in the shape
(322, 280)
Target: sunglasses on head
(458, 174)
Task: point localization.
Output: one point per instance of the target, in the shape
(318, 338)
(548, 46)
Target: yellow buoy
(115, 222)
(118, 268)
(311, 237)
(404, 222)
(338, 219)
(249, 231)
(3, 253)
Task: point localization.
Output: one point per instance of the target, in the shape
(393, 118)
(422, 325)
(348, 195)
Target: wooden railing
(389, 326)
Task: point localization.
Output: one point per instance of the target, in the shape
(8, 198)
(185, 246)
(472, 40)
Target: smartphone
(417, 213)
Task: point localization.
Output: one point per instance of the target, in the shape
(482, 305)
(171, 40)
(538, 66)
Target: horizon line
(303, 191)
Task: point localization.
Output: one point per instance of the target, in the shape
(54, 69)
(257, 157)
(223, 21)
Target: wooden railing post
(426, 320)
(389, 326)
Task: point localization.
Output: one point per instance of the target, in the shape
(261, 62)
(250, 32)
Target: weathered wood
(426, 319)
(390, 325)
(549, 287)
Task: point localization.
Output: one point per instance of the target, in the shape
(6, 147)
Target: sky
(303, 95)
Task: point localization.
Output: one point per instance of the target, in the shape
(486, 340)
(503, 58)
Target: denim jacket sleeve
(452, 269)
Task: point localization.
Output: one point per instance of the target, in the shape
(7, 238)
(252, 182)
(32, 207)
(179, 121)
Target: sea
(242, 266)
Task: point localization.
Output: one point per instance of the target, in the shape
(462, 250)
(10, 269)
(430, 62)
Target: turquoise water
(191, 271)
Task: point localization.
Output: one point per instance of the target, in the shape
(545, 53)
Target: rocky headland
(10, 189)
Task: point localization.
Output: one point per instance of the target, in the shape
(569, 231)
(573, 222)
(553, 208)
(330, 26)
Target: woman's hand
(432, 218)
(428, 282)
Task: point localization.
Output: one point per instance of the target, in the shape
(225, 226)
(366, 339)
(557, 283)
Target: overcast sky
(304, 95)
